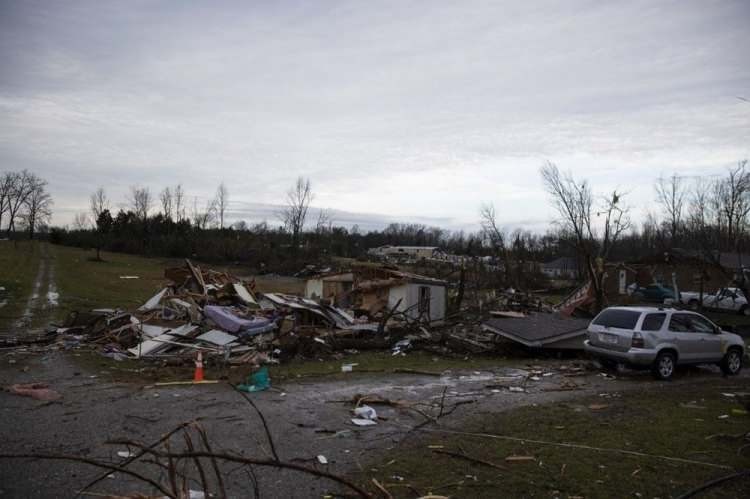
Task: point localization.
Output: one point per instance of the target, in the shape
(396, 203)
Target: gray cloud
(408, 110)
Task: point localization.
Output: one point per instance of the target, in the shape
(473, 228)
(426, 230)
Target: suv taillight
(637, 341)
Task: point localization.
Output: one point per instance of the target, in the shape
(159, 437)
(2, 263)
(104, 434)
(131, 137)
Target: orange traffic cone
(198, 367)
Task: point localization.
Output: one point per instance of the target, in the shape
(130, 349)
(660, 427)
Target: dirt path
(43, 298)
(307, 418)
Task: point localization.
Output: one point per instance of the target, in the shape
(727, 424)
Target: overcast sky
(411, 111)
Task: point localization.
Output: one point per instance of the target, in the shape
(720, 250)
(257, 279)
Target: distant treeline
(263, 247)
(271, 248)
(704, 214)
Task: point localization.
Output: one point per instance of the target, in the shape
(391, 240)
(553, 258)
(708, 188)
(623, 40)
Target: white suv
(662, 338)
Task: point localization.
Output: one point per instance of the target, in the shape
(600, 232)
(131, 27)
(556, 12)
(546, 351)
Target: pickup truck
(725, 299)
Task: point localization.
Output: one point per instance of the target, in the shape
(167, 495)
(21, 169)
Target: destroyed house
(379, 289)
(310, 314)
(335, 288)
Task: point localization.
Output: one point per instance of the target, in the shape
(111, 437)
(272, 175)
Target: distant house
(565, 267)
(405, 252)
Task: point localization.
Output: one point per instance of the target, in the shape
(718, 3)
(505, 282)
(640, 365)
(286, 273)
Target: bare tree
(21, 185)
(325, 221)
(179, 203)
(221, 202)
(6, 188)
(496, 236)
(204, 218)
(260, 228)
(38, 206)
(574, 203)
(698, 207)
(732, 194)
(98, 203)
(140, 201)
(671, 194)
(718, 219)
(80, 221)
(298, 200)
(165, 196)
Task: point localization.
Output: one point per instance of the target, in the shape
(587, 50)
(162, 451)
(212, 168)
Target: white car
(660, 339)
(726, 299)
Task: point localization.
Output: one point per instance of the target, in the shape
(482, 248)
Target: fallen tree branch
(92, 462)
(252, 461)
(386, 316)
(262, 420)
(214, 464)
(578, 446)
(714, 483)
(198, 464)
(133, 458)
(382, 488)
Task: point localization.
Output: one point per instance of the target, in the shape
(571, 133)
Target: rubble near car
(540, 330)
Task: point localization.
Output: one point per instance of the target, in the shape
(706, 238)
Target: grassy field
(667, 420)
(368, 363)
(83, 283)
(19, 262)
(384, 362)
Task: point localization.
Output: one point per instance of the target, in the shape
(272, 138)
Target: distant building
(565, 267)
(405, 252)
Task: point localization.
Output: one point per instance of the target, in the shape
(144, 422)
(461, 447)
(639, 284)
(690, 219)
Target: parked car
(660, 339)
(654, 293)
(727, 299)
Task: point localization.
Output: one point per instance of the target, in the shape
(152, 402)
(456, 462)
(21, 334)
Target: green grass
(652, 421)
(367, 364)
(84, 284)
(19, 262)
(377, 361)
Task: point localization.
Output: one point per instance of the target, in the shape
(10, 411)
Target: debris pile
(205, 311)
(222, 318)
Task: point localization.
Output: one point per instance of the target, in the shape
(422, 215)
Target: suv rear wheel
(732, 362)
(663, 367)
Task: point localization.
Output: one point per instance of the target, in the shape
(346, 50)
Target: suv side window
(680, 323)
(653, 322)
(700, 325)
